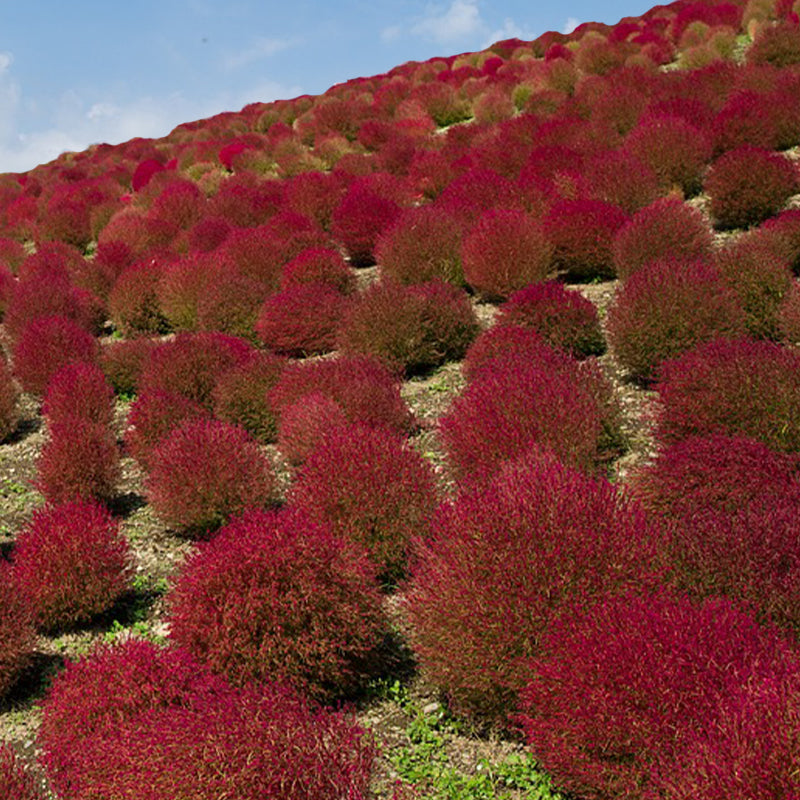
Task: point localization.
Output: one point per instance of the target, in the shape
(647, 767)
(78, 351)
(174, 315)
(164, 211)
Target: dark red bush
(305, 423)
(9, 401)
(563, 317)
(504, 251)
(80, 461)
(475, 191)
(178, 288)
(777, 44)
(12, 254)
(70, 563)
(619, 688)
(667, 228)
(79, 389)
(302, 320)
(45, 345)
(318, 265)
(208, 234)
(409, 328)
(783, 233)
(16, 781)
(667, 307)
(734, 387)
(143, 234)
(180, 203)
(205, 471)
(747, 185)
(247, 201)
(275, 596)
(750, 118)
(17, 632)
(502, 563)
(369, 486)
(621, 178)
(133, 301)
(123, 360)
(316, 195)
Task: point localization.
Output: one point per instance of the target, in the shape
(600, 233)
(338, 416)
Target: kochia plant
(79, 390)
(16, 780)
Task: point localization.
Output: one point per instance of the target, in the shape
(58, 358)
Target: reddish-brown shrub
(747, 185)
(181, 203)
(45, 345)
(563, 317)
(208, 234)
(621, 178)
(70, 563)
(366, 390)
(240, 394)
(190, 364)
(305, 423)
(12, 254)
(17, 632)
(133, 301)
(423, 245)
(122, 362)
(667, 307)
(369, 486)
(302, 320)
(787, 317)
(667, 228)
(316, 195)
(409, 328)
(277, 596)
(178, 288)
(581, 231)
(16, 781)
(80, 461)
(502, 563)
(475, 191)
(777, 44)
(204, 472)
(783, 233)
(143, 234)
(79, 389)
(751, 118)
(318, 265)
(504, 251)
(247, 201)
(359, 220)
(745, 387)
(619, 688)
(9, 400)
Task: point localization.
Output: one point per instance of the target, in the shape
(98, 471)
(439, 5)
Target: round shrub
(229, 302)
(504, 251)
(667, 228)
(70, 563)
(204, 472)
(305, 423)
(667, 307)
(16, 781)
(208, 234)
(240, 394)
(301, 320)
(787, 317)
(621, 178)
(133, 301)
(620, 687)
(17, 631)
(735, 387)
(275, 596)
(563, 317)
(783, 233)
(79, 390)
(122, 362)
(79, 461)
(178, 288)
(369, 486)
(319, 265)
(9, 401)
(747, 185)
(504, 560)
(45, 345)
(477, 190)
(409, 328)
(777, 44)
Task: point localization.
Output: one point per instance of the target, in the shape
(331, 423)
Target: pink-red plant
(247, 201)
(318, 265)
(79, 389)
(143, 234)
(305, 423)
(275, 596)
(621, 178)
(619, 688)
(777, 44)
(502, 563)
(9, 400)
(368, 486)
(208, 234)
(133, 301)
(16, 780)
(70, 563)
(122, 362)
(667, 307)
(17, 632)
(205, 471)
(477, 190)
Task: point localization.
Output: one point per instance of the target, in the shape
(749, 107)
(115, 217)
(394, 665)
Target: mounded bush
(247, 201)
(777, 44)
(133, 301)
(619, 688)
(667, 307)
(275, 596)
(70, 563)
(502, 563)
(79, 390)
(318, 265)
(667, 228)
(16, 780)
(748, 185)
(563, 317)
(409, 328)
(471, 194)
(734, 387)
(305, 423)
(504, 251)
(621, 178)
(122, 362)
(359, 220)
(9, 401)
(367, 485)
(17, 632)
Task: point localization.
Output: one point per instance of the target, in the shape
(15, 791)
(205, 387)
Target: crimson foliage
(305, 422)
(79, 390)
(17, 632)
(16, 781)
(9, 401)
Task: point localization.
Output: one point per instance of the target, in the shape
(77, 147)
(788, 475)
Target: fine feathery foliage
(79, 390)
(305, 423)
(16, 780)
(9, 400)
(17, 631)
(123, 360)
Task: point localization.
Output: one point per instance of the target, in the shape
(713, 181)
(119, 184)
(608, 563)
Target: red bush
(204, 472)
(247, 201)
(475, 191)
(133, 301)
(80, 461)
(359, 220)
(45, 345)
(502, 563)
(190, 364)
(316, 195)
(79, 390)
(667, 228)
(178, 288)
(305, 423)
(621, 178)
(70, 563)
(276, 596)
(240, 394)
(423, 245)
(16, 781)
(409, 328)
(667, 307)
(368, 486)
(17, 632)
(9, 401)
(783, 233)
(525, 397)
(747, 185)
(581, 231)
(366, 390)
(777, 44)
(302, 320)
(12, 254)
(318, 265)
(143, 234)
(504, 251)
(750, 118)
(620, 687)
(180, 203)
(208, 234)
(734, 387)
(563, 317)
(122, 362)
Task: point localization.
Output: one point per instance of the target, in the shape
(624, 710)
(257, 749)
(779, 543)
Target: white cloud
(392, 33)
(510, 30)
(262, 48)
(570, 25)
(460, 21)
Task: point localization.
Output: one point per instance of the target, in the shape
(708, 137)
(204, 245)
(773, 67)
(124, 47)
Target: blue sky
(72, 74)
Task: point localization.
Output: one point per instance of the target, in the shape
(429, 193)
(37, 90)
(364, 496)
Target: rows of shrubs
(640, 639)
